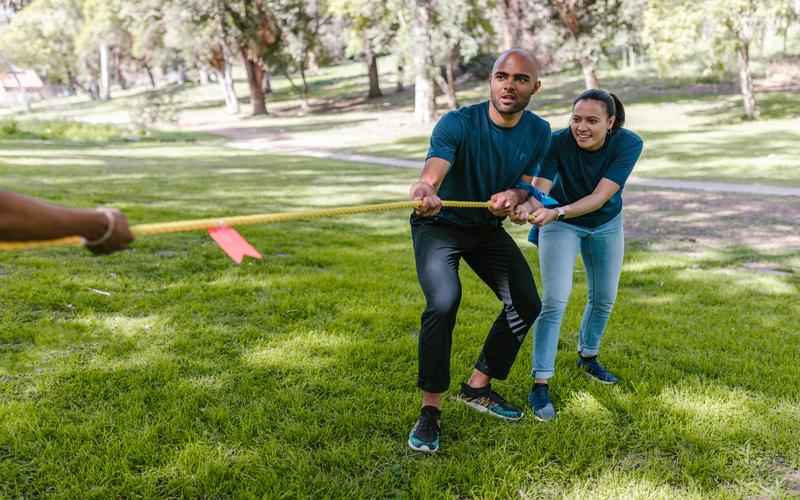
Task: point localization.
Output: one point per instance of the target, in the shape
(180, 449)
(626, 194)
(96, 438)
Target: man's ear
(537, 87)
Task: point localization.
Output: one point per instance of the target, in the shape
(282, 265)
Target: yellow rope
(241, 220)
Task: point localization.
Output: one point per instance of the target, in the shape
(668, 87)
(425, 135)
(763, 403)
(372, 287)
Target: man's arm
(428, 184)
(23, 218)
(504, 202)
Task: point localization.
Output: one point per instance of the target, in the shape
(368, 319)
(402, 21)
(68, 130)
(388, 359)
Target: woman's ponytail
(619, 113)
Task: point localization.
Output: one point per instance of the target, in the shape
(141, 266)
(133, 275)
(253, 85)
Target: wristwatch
(562, 212)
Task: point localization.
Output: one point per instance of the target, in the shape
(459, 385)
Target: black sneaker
(539, 401)
(424, 436)
(595, 370)
(485, 400)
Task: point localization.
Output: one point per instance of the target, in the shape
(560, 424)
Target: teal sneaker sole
(422, 447)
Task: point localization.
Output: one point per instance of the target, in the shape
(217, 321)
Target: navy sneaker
(485, 400)
(424, 436)
(595, 370)
(539, 401)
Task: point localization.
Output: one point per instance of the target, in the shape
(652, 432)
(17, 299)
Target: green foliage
(43, 36)
(152, 109)
(9, 128)
(708, 32)
(60, 130)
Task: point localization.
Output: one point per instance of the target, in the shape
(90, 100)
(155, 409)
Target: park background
(167, 371)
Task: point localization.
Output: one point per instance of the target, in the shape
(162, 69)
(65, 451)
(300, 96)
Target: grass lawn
(294, 376)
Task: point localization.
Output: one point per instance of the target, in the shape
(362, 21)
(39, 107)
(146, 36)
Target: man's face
(513, 82)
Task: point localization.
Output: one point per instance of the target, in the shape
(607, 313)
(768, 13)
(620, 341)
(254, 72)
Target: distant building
(18, 82)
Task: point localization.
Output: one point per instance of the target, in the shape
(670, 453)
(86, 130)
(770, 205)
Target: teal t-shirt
(576, 172)
(484, 158)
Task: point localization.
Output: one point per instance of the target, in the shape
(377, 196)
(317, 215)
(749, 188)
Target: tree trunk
(71, 82)
(105, 74)
(255, 79)
(119, 75)
(510, 19)
(746, 82)
(400, 76)
(228, 89)
(424, 104)
(150, 75)
(313, 62)
(372, 67)
(450, 71)
(94, 90)
(589, 74)
(267, 81)
(303, 90)
(180, 69)
(447, 82)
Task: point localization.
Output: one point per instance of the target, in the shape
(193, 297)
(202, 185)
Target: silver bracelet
(109, 230)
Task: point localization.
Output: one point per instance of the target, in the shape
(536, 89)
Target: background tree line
(91, 45)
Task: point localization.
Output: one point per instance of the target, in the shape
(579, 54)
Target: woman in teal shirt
(585, 170)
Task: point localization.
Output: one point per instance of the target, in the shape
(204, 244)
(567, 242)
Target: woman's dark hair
(614, 106)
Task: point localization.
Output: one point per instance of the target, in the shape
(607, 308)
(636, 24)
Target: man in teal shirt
(477, 153)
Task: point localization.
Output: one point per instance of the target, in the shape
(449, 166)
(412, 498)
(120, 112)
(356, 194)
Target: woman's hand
(523, 211)
(544, 216)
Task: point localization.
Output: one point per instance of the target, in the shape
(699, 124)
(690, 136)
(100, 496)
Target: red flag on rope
(233, 243)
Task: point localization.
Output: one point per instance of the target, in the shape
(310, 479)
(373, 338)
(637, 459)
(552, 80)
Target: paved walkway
(715, 187)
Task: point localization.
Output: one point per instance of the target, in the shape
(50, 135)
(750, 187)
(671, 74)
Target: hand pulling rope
(241, 220)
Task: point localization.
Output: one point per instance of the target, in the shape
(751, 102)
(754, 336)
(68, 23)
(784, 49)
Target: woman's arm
(523, 211)
(602, 193)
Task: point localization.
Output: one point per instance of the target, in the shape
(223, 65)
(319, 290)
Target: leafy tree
(713, 30)
(587, 27)
(461, 28)
(42, 37)
(372, 28)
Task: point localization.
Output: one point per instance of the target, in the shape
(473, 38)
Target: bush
(60, 130)
(152, 109)
(8, 128)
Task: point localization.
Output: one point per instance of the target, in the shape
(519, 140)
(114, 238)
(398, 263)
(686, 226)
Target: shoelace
(541, 396)
(496, 398)
(595, 366)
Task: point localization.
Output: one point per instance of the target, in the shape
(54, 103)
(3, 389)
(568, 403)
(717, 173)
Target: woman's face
(590, 124)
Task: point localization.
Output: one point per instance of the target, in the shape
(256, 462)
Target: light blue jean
(602, 249)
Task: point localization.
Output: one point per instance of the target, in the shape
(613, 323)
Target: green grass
(293, 376)
(87, 133)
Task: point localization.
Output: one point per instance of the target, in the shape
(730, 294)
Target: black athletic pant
(498, 261)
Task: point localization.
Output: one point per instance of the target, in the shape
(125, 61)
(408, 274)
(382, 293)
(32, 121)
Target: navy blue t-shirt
(576, 172)
(484, 158)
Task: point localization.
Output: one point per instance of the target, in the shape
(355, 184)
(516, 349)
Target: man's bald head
(514, 79)
(521, 56)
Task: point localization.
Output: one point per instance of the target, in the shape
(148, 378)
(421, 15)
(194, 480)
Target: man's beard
(516, 108)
